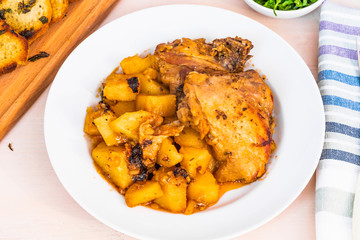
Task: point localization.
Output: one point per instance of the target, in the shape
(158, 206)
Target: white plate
(298, 110)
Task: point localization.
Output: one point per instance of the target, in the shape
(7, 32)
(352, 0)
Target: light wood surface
(33, 203)
(20, 88)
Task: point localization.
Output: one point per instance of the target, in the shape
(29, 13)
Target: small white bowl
(283, 14)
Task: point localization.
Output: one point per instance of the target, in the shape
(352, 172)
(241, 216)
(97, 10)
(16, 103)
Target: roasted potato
(136, 64)
(120, 87)
(89, 126)
(120, 108)
(168, 156)
(174, 189)
(110, 137)
(151, 73)
(204, 189)
(112, 161)
(195, 160)
(152, 87)
(149, 85)
(142, 192)
(163, 105)
(190, 138)
(128, 124)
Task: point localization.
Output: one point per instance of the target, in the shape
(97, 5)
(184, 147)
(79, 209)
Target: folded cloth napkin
(339, 84)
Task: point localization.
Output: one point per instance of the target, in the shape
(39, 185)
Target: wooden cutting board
(20, 88)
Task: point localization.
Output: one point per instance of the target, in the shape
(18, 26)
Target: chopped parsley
(38, 56)
(285, 5)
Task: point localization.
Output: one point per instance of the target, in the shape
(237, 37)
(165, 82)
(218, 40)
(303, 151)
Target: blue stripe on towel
(343, 129)
(340, 77)
(340, 155)
(342, 102)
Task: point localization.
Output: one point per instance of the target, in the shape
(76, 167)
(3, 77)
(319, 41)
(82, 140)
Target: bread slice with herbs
(59, 9)
(30, 18)
(14, 49)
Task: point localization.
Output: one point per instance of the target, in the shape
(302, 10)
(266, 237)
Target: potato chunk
(136, 64)
(89, 126)
(174, 189)
(121, 87)
(148, 84)
(142, 192)
(110, 137)
(195, 160)
(163, 105)
(168, 156)
(152, 87)
(204, 189)
(112, 161)
(190, 138)
(120, 108)
(151, 73)
(129, 123)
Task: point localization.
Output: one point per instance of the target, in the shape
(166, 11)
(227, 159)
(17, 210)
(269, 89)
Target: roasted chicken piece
(152, 132)
(233, 112)
(176, 59)
(142, 156)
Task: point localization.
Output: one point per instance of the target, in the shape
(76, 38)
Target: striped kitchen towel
(339, 84)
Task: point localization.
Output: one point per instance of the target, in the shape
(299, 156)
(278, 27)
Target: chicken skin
(233, 112)
(176, 59)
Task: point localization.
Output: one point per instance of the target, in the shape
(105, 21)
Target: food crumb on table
(10, 147)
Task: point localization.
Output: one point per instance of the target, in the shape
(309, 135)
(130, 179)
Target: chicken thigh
(233, 112)
(176, 59)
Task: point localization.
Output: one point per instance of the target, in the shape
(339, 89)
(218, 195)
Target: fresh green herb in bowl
(285, 5)
(283, 9)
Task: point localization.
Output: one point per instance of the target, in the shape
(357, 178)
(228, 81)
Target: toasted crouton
(59, 9)
(13, 49)
(30, 18)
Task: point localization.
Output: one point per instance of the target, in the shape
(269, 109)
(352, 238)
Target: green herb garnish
(38, 56)
(25, 7)
(27, 33)
(44, 19)
(285, 5)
